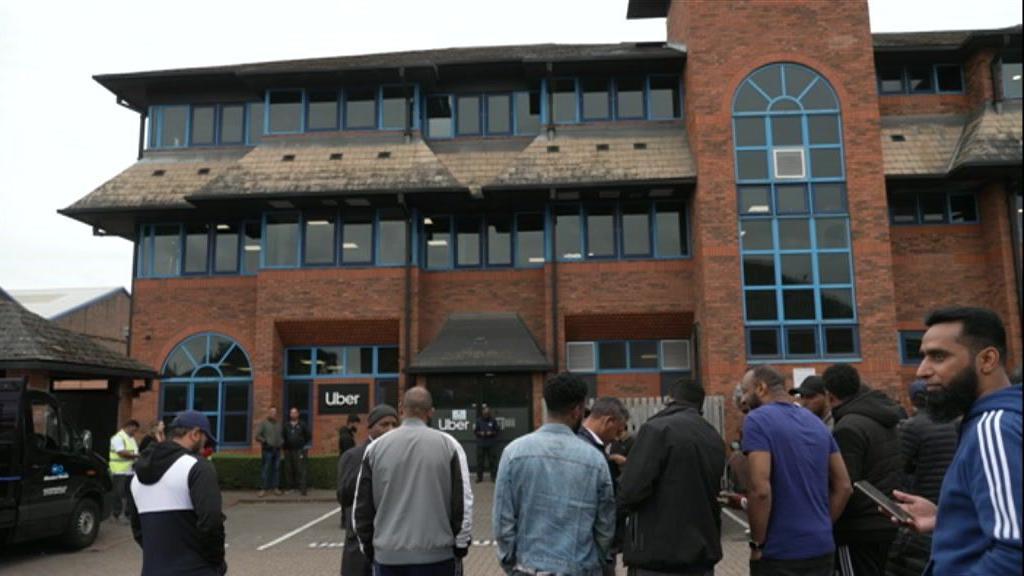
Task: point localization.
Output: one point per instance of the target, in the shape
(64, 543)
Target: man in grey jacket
(413, 506)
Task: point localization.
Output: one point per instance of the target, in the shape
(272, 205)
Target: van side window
(46, 426)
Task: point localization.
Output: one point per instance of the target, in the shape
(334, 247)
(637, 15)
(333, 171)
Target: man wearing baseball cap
(176, 504)
(811, 395)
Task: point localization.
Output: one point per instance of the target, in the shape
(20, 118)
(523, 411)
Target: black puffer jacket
(669, 490)
(866, 433)
(928, 448)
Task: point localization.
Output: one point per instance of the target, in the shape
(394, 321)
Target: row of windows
(337, 361)
(292, 111)
(628, 355)
(907, 208)
(920, 79)
(315, 238)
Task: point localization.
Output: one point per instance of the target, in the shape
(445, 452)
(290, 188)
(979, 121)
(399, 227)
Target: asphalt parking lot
(285, 536)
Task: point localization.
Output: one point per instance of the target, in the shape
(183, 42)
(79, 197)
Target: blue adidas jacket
(977, 531)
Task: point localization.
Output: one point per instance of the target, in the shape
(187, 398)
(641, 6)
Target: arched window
(210, 373)
(794, 224)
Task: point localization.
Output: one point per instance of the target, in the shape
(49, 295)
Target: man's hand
(732, 500)
(618, 459)
(755, 554)
(922, 510)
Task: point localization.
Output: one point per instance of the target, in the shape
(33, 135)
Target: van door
(10, 453)
(46, 498)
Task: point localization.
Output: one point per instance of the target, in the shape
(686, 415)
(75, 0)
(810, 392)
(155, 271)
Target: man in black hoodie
(669, 488)
(865, 430)
(175, 503)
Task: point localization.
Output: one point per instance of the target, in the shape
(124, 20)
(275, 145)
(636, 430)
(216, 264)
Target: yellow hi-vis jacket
(119, 465)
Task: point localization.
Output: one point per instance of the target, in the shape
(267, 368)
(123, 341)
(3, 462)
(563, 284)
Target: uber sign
(344, 398)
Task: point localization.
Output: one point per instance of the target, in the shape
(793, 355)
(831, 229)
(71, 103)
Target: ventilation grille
(898, 138)
(336, 156)
(639, 145)
(159, 172)
(602, 147)
(288, 158)
(553, 149)
(675, 354)
(789, 163)
(203, 171)
(580, 356)
(384, 155)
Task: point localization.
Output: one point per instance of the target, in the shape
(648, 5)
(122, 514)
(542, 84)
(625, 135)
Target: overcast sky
(62, 135)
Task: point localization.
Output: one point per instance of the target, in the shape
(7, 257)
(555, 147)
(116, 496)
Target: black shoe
(479, 480)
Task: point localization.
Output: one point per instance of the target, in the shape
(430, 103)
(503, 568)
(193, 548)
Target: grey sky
(62, 135)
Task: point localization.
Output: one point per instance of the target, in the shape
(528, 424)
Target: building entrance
(458, 399)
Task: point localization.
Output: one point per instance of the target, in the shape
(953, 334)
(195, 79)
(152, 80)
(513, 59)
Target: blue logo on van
(56, 470)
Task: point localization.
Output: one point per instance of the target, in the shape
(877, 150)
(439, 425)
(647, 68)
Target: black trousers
(122, 483)
(486, 454)
(295, 469)
(862, 559)
(451, 567)
(820, 566)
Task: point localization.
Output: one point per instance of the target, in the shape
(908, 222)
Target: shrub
(242, 471)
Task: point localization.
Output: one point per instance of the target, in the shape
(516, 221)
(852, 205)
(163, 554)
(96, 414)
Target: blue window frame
(482, 241)
(360, 108)
(169, 126)
(910, 347)
(932, 207)
(925, 78)
(664, 97)
(469, 118)
(564, 100)
(210, 373)
(322, 110)
(314, 362)
(159, 250)
(794, 230)
(595, 99)
(621, 230)
(630, 98)
(282, 240)
(617, 356)
(285, 111)
(255, 122)
(440, 116)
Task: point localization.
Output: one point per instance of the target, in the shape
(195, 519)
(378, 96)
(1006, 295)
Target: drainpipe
(409, 109)
(550, 127)
(407, 313)
(554, 290)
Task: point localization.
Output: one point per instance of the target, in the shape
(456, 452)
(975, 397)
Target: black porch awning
(481, 342)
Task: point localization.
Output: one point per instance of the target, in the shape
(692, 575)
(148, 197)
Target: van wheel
(84, 525)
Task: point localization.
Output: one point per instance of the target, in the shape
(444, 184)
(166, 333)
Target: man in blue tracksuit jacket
(978, 520)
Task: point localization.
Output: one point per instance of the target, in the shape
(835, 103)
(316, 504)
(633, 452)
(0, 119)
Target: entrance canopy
(481, 342)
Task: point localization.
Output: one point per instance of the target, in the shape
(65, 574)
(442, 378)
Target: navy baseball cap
(192, 419)
(811, 386)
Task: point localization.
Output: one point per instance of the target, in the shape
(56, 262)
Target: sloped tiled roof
(28, 340)
(585, 155)
(935, 39)
(481, 342)
(480, 162)
(54, 302)
(919, 145)
(991, 137)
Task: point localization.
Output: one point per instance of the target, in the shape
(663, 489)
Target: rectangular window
(437, 235)
(601, 232)
(387, 360)
(166, 250)
(318, 241)
(890, 79)
(203, 132)
(499, 114)
(391, 246)
(393, 109)
(330, 361)
(675, 354)
(612, 356)
(932, 207)
(949, 78)
(357, 238)
(499, 240)
(580, 357)
(172, 122)
(225, 258)
(919, 79)
(282, 240)
(1011, 80)
(563, 100)
(910, 347)
(527, 112)
(255, 123)
(197, 238)
(253, 248)
(468, 114)
(663, 97)
(359, 360)
(467, 238)
(440, 116)
(145, 249)
(670, 222)
(285, 111)
(299, 362)
(629, 98)
(636, 230)
(232, 124)
(596, 101)
(529, 240)
(903, 208)
(643, 355)
(322, 110)
(568, 233)
(361, 108)
(962, 208)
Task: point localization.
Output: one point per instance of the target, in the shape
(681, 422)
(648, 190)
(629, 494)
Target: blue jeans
(270, 467)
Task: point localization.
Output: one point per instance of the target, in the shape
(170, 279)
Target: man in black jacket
(383, 418)
(175, 504)
(296, 437)
(669, 488)
(602, 426)
(865, 430)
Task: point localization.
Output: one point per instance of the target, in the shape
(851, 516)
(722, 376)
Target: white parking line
(736, 518)
(298, 530)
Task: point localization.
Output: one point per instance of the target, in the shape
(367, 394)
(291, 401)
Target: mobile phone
(884, 501)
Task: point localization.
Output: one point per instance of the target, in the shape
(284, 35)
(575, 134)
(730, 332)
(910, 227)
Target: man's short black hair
(771, 377)
(131, 423)
(609, 406)
(980, 328)
(353, 419)
(563, 392)
(688, 390)
(841, 380)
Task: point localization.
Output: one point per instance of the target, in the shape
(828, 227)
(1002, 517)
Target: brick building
(102, 313)
(324, 233)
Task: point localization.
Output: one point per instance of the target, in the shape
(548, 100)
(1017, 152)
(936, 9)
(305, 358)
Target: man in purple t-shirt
(798, 483)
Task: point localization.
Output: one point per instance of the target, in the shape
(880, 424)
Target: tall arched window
(210, 373)
(794, 225)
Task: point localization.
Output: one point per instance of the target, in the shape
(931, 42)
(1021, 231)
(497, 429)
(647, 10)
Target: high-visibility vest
(119, 465)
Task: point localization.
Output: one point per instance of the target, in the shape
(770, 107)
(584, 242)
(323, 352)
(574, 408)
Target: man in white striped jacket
(977, 523)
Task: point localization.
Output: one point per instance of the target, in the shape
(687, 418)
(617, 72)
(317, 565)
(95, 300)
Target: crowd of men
(571, 497)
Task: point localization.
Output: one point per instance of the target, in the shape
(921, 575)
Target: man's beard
(753, 402)
(949, 402)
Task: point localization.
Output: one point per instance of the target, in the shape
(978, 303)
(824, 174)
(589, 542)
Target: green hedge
(242, 471)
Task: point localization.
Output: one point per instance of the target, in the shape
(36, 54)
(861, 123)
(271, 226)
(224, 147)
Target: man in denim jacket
(554, 509)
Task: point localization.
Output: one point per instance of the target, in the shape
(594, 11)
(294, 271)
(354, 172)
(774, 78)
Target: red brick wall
(726, 41)
(911, 104)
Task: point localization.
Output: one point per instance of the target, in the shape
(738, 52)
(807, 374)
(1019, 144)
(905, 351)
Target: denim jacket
(554, 509)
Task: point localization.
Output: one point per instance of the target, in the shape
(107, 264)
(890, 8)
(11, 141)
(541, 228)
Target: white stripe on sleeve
(1012, 529)
(991, 475)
